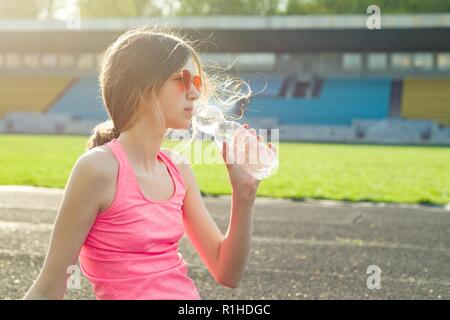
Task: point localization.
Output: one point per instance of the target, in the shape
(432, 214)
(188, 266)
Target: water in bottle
(257, 159)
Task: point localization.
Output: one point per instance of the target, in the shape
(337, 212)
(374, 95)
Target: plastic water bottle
(258, 159)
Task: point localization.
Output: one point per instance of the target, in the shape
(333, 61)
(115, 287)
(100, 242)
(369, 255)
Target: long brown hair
(134, 68)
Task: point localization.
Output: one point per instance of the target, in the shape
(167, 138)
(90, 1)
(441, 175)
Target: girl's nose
(193, 93)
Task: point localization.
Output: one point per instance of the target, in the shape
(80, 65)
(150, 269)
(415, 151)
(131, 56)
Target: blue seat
(340, 101)
(265, 84)
(82, 100)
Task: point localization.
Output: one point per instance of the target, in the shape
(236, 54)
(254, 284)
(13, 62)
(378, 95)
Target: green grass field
(320, 171)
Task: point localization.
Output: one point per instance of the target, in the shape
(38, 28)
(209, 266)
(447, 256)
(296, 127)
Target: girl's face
(176, 100)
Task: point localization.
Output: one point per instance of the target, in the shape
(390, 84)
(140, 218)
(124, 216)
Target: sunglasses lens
(186, 79)
(197, 83)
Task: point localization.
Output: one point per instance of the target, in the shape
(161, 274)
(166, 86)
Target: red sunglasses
(188, 79)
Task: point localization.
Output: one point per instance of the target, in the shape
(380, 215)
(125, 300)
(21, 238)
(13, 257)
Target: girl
(128, 202)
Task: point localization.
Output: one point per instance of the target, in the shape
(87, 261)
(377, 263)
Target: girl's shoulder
(104, 166)
(106, 171)
(103, 158)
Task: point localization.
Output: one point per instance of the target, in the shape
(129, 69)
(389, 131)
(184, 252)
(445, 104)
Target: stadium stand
(82, 100)
(32, 93)
(340, 101)
(37, 122)
(426, 99)
(263, 84)
(325, 78)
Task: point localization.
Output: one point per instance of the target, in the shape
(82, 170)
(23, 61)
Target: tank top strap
(174, 172)
(121, 157)
(126, 171)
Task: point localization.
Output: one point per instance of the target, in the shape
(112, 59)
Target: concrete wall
(389, 131)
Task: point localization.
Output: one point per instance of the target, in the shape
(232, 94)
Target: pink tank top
(131, 251)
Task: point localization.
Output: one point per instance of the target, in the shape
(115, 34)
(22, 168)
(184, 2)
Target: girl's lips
(190, 110)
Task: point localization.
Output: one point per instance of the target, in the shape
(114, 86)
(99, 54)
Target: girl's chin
(186, 125)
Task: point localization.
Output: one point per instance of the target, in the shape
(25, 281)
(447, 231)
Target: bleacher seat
(341, 100)
(264, 84)
(426, 99)
(32, 93)
(83, 100)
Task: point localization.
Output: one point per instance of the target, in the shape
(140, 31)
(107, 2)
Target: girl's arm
(77, 212)
(225, 256)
